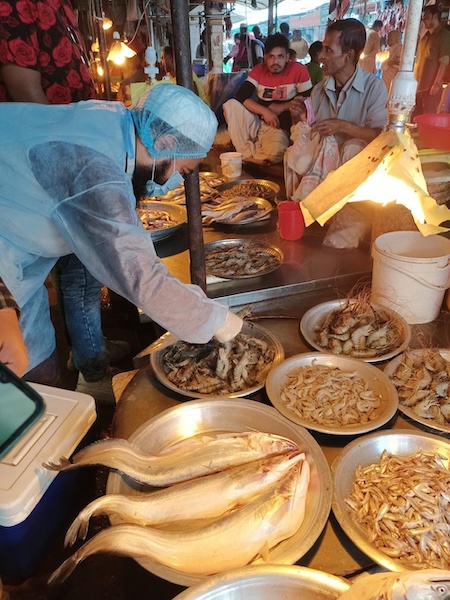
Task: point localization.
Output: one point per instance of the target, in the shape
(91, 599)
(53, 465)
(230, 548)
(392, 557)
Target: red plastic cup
(291, 224)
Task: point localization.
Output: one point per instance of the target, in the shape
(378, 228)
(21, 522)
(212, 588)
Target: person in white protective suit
(69, 179)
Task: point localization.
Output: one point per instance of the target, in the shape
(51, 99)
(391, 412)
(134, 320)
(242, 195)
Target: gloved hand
(230, 329)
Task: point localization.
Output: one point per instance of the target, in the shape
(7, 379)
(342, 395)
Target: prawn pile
(216, 368)
(245, 259)
(329, 396)
(422, 379)
(403, 504)
(358, 329)
(237, 506)
(153, 219)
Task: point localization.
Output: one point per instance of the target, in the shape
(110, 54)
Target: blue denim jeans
(79, 301)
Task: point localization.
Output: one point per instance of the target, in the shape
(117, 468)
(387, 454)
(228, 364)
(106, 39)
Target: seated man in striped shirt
(259, 118)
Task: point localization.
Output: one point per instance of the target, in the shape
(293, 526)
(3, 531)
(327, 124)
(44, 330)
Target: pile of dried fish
(249, 188)
(329, 396)
(403, 503)
(250, 509)
(236, 210)
(156, 219)
(216, 368)
(358, 329)
(422, 380)
(240, 260)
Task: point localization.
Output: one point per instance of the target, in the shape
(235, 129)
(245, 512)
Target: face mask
(155, 189)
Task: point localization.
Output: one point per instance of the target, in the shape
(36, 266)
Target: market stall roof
(244, 11)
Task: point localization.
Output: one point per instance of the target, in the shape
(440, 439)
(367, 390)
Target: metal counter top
(308, 265)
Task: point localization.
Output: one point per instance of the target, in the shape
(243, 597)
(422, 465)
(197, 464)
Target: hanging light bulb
(95, 47)
(107, 23)
(119, 51)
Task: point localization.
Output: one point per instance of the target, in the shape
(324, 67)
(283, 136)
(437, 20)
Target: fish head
(427, 584)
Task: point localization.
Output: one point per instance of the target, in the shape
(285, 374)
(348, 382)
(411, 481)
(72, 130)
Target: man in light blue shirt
(69, 180)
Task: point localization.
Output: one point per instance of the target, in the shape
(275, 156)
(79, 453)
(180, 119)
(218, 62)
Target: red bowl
(434, 130)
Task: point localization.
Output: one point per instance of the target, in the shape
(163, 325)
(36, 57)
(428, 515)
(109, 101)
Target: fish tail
(64, 464)
(63, 571)
(79, 528)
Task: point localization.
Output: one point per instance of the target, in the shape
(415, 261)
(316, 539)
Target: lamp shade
(119, 51)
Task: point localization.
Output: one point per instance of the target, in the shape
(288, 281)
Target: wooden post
(182, 53)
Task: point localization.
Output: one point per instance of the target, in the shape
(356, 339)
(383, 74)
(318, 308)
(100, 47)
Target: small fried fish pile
(153, 219)
(329, 396)
(422, 380)
(236, 210)
(216, 368)
(250, 188)
(403, 504)
(247, 495)
(358, 329)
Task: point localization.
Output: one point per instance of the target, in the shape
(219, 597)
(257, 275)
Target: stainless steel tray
(389, 371)
(312, 319)
(268, 582)
(228, 414)
(233, 244)
(212, 178)
(270, 190)
(365, 451)
(156, 361)
(176, 212)
(375, 379)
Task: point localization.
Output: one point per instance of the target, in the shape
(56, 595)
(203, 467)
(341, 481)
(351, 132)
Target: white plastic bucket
(411, 273)
(231, 163)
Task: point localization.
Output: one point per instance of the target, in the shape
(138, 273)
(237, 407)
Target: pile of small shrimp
(218, 368)
(403, 504)
(422, 380)
(329, 396)
(358, 329)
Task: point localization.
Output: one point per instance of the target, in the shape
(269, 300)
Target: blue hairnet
(173, 122)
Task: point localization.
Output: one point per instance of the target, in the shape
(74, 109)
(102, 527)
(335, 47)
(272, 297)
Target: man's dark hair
(377, 23)
(353, 35)
(277, 40)
(432, 9)
(284, 28)
(314, 50)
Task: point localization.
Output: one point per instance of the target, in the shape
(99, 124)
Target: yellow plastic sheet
(387, 170)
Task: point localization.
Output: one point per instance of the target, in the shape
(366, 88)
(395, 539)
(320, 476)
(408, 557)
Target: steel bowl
(270, 189)
(212, 178)
(389, 371)
(228, 414)
(157, 363)
(365, 451)
(316, 315)
(377, 381)
(177, 213)
(268, 582)
(232, 244)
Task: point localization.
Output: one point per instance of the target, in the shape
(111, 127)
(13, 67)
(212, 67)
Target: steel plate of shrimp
(356, 328)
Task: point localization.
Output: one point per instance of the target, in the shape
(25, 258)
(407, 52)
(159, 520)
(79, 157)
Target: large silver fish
(230, 542)
(185, 460)
(206, 497)
(426, 584)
